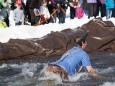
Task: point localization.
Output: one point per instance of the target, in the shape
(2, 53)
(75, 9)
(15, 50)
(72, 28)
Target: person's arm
(86, 62)
(22, 17)
(36, 13)
(14, 15)
(71, 4)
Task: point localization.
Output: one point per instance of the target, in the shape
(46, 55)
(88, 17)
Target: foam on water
(108, 70)
(32, 73)
(108, 84)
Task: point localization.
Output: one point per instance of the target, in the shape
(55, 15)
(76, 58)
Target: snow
(27, 31)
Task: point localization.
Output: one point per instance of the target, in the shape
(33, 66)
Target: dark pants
(92, 9)
(61, 16)
(100, 7)
(113, 12)
(7, 21)
(72, 13)
(34, 19)
(19, 23)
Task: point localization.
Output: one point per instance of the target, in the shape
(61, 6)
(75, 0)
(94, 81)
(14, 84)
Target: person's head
(49, 2)
(18, 3)
(81, 38)
(44, 3)
(82, 43)
(73, 0)
(76, 0)
(36, 4)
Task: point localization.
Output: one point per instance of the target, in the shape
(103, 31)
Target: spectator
(5, 10)
(109, 7)
(44, 10)
(92, 5)
(72, 3)
(11, 17)
(62, 11)
(100, 8)
(52, 7)
(113, 12)
(28, 10)
(2, 23)
(34, 11)
(18, 14)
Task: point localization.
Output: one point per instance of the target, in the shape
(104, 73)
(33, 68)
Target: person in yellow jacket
(2, 22)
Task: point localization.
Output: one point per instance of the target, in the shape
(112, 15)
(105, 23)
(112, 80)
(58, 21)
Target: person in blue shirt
(71, 61)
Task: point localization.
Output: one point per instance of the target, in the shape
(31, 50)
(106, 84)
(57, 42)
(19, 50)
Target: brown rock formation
(101, 37)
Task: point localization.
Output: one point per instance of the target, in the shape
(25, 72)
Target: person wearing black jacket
(62, 11)
(32, 4)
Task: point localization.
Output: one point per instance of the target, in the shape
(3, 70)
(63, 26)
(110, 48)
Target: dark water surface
(27, 72)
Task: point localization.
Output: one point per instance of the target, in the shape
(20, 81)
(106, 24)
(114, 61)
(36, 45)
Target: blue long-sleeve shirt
(72, 60)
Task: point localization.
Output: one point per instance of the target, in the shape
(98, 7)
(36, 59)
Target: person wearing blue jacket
(109, 7)
(71, 61)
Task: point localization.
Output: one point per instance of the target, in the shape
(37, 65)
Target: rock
(101, 37)
(54, 43)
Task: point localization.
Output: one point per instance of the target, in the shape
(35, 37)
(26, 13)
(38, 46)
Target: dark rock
(54, 43)
(101, 37)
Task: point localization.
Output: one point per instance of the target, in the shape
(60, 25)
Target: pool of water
(28, 72)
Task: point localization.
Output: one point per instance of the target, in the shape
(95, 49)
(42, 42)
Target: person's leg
(7, 21)
(103, 11)
(72, 13)
(110, 13)
(90, 8)
(96, 13)
(107, 13)
(32, 17)
(63, 16)
(95, 9)
(113, 12)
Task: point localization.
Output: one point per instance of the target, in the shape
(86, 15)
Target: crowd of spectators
(17, 12)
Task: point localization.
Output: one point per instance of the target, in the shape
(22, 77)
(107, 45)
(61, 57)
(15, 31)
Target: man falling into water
(71, 61)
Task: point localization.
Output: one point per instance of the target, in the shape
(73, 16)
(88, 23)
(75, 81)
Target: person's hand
(75, 6)
(94, 74)
(41, 14)
(71, 4)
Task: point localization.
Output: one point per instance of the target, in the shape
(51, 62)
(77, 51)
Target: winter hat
(18, 2)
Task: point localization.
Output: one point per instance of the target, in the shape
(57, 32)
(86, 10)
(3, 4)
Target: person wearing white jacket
(44, 10)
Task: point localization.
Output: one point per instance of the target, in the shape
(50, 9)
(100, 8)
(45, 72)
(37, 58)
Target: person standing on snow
(18, 14)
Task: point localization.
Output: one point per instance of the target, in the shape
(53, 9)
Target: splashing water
(31, 73)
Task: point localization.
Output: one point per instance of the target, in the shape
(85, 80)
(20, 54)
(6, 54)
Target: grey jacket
(18, 15)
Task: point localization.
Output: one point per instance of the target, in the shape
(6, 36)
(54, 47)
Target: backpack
(79, 13)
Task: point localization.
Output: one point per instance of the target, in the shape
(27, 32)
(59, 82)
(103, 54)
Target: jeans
(61, 16)
(109, 13)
